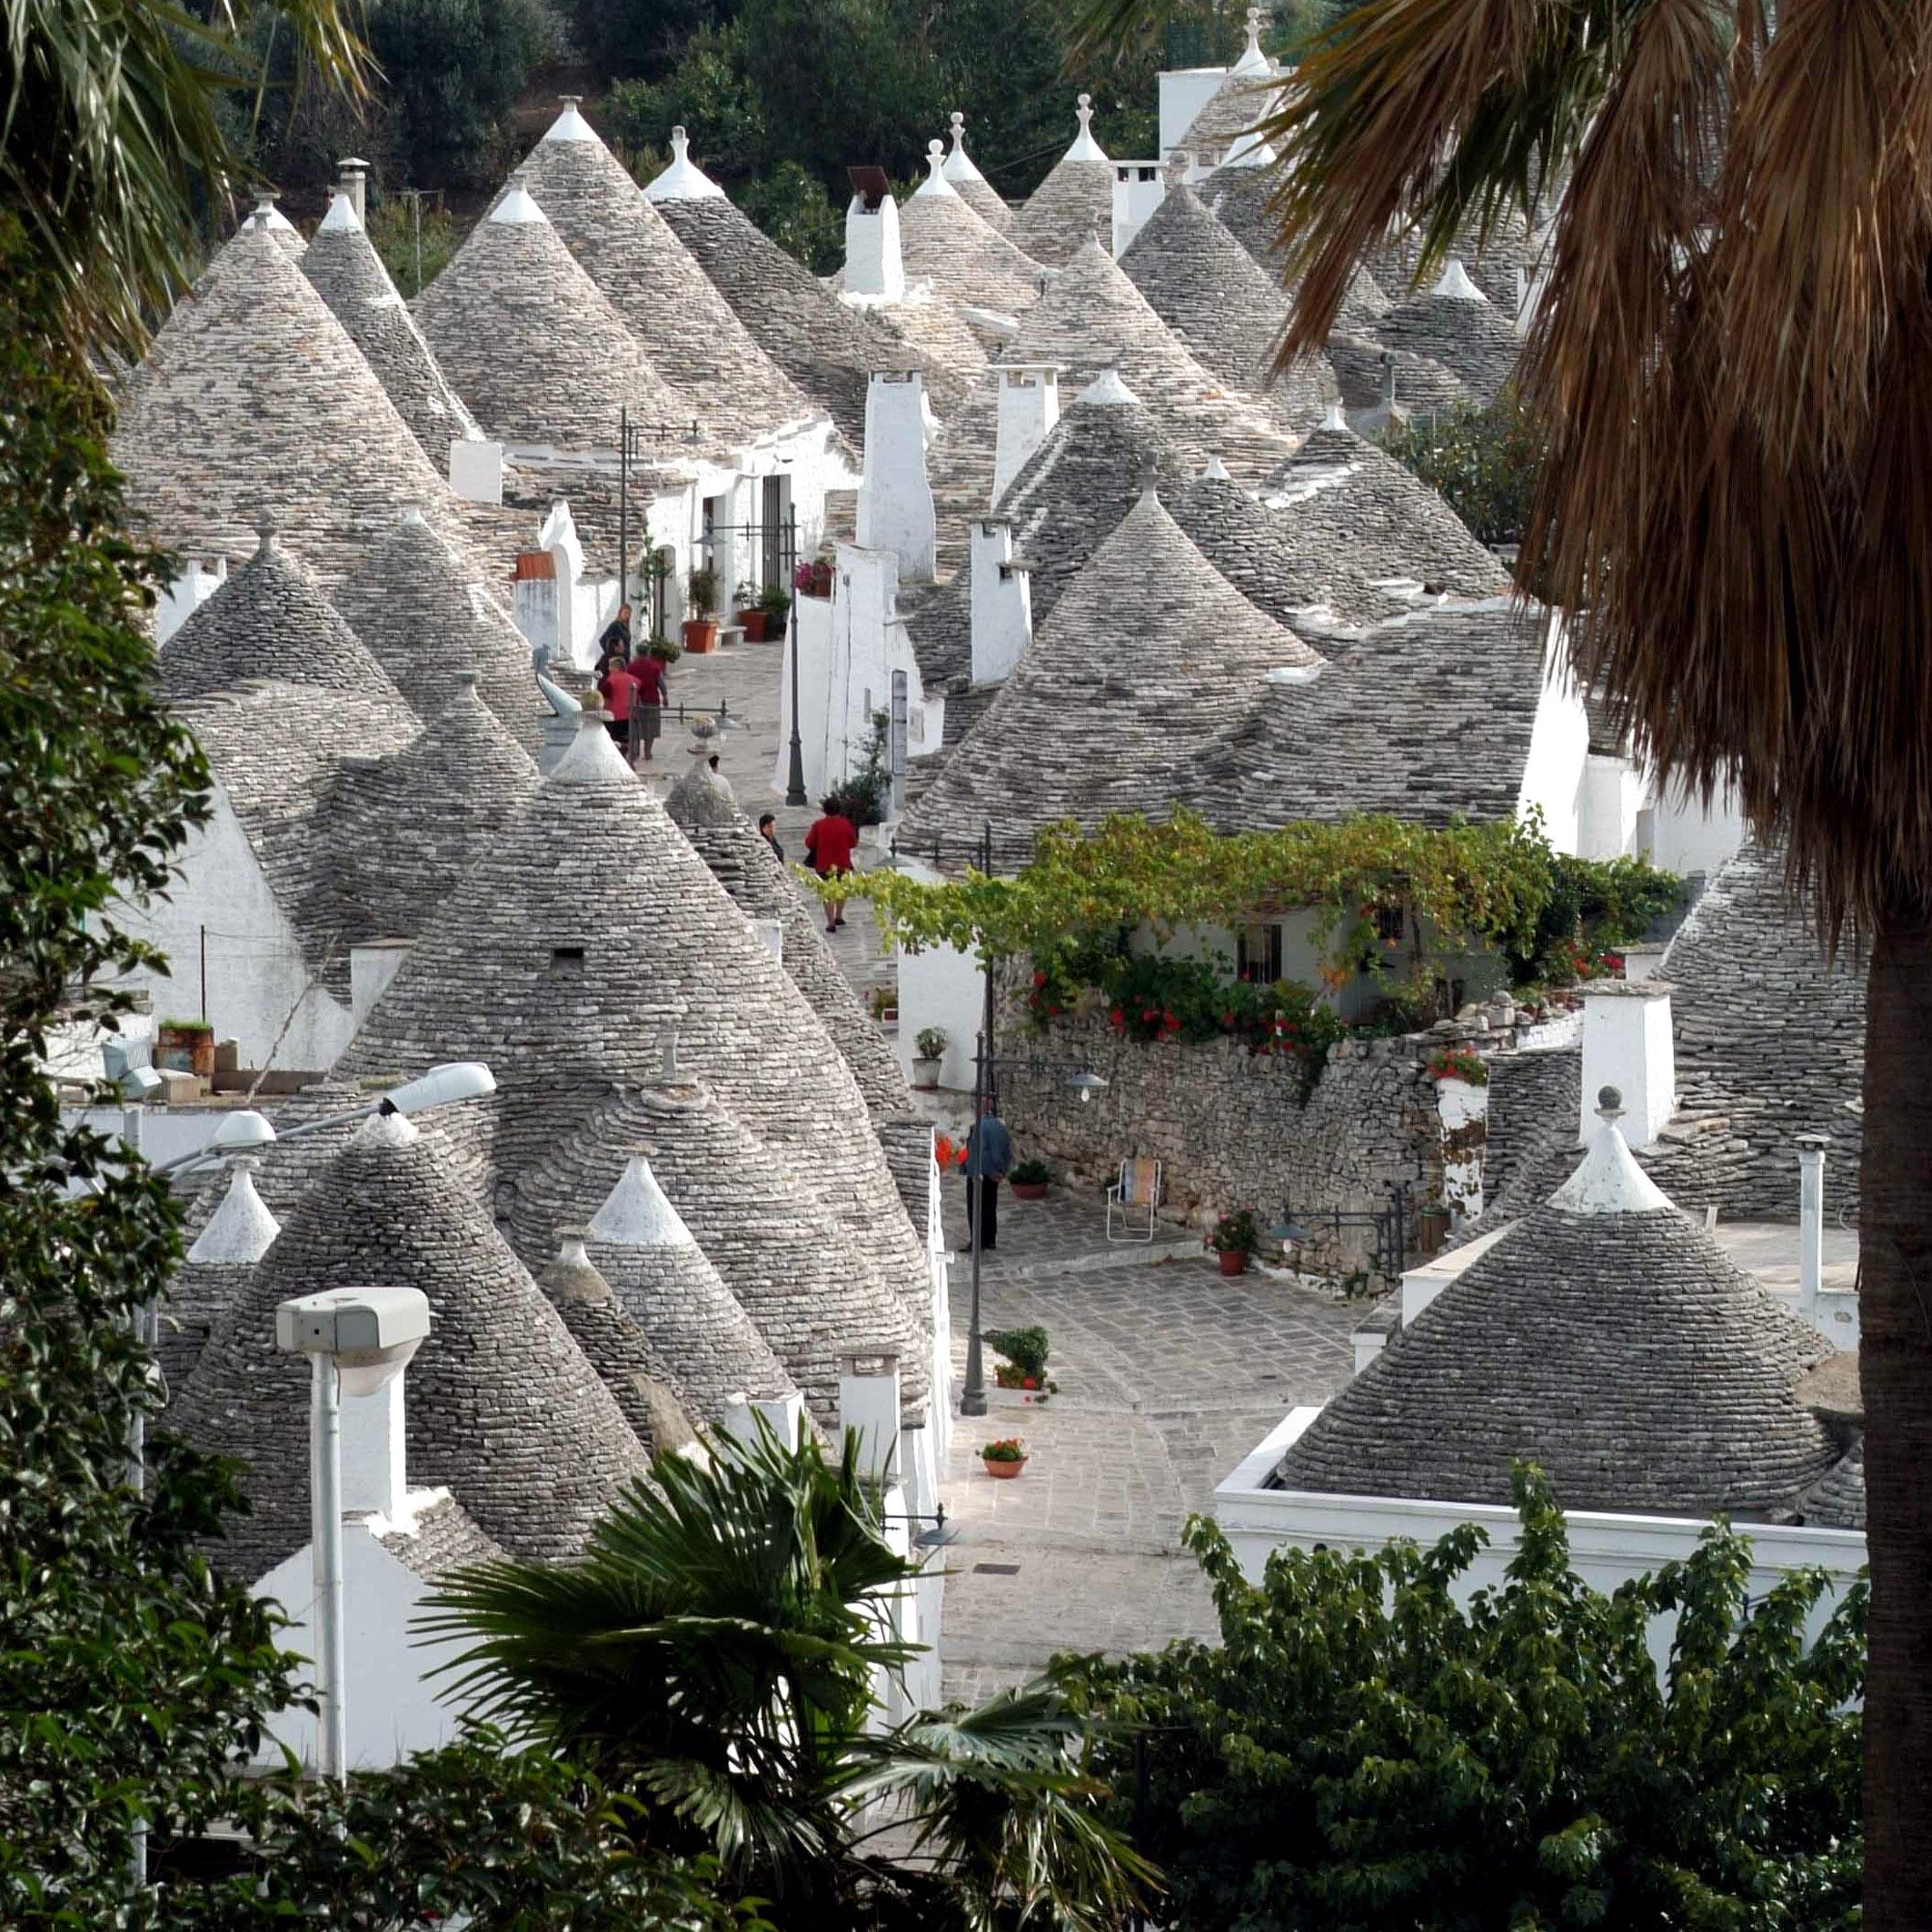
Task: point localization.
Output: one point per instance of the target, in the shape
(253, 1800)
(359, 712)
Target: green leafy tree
(415, 237)
(713, 1657)
(130, 1677)
(708, 93)
(1364, 1752)
(1484, 462)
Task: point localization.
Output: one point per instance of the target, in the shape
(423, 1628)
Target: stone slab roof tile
(252, 398)
(1470, 337)
(943, 240)
(688, 329)
(1361, 364)
(501, 1408)
(1072, 206)
(1150, 696)
(1239, 198)
(429, 617)
(1623, 1351)
(443, 1537)
(349, 276)
(533, 342)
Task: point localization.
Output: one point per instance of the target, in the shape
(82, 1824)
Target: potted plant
(885, 1003)
(1030, 1180)
(1234, 1239)
(1025, 1367)
(665, 650)
(929, 1048)
(700, 628)
(749, 614)
(1005, 1458)
(776, 603)
(185, 1046)
(813, 579)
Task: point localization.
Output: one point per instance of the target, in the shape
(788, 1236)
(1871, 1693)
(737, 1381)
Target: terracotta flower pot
(700, 635)
(754, 625)
(1003, 1471)
(1233, 1260)
(1029, 1191)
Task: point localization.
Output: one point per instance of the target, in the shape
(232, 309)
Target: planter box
(1030, 1190)
(700, 634)
(1003, 1471)
(925, 1075)
(999, 1397)
(185, 1049)
(752, 623)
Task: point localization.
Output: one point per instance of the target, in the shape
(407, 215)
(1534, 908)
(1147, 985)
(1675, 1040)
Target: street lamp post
(795, 775)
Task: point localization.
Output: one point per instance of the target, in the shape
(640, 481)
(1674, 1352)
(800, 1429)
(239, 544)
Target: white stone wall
(1553, 773)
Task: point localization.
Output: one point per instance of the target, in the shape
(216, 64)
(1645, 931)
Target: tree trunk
(1895, 1360)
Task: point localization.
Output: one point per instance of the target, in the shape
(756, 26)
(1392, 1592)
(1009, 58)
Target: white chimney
(873, 264)
(1028, 408)
(1002, 602)
(895, 499)
(868, 1409)
(352, 176)
(373, 1469)
(1810, 1222)
(1628, 1044)
(784, 1414)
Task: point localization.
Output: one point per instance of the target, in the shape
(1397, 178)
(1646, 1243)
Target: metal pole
(145, 1324)
(623, 503)
(204, 973)
(795, 777)
(326, 1530)
(972, 1396)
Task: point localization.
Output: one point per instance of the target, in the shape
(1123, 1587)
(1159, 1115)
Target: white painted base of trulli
(1605, 1549)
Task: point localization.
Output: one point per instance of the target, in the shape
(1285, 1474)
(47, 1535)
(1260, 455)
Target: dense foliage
(1483, 459)
(714, 1658)
(1364, 1751)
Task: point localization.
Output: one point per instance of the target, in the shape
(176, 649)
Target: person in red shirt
(829, 842)
(647, 714)
(618, 689)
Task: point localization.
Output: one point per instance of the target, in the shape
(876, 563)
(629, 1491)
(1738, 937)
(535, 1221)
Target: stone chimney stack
(895, 498)
(1628, 1044)
(1028, 408)
(1002, 602)
(352, 176)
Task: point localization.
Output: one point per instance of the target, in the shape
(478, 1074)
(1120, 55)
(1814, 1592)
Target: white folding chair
(1135, 1193)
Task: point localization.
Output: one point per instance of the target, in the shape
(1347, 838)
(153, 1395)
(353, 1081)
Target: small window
(566, 958)
(1258, 955)
(1388, 923)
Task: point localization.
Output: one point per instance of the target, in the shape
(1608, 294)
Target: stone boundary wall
(1229, 1126)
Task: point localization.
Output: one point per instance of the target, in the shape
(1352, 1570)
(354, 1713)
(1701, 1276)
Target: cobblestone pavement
(1168, 1375)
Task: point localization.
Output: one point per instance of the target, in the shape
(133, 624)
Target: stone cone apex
(677, 1300)
(533, 342)
(1215, 472)
(683, 180)
(975, 190)
(418, 606)
(1073, 203)
(570, 126)
(1082, 663)
(936, 182)
(502, 1407)
(350, 276)
(1221, 307)
(270, 220)
(641, 1382)
(253, 392)
(1456, 285)
(945, 241)
(1608, 1181)
(702, 796)
(687, 328)
(1107, 391)
(534, 968)
(1253, 64)
(271, 620)
(242, 1230)
(1614, 1343)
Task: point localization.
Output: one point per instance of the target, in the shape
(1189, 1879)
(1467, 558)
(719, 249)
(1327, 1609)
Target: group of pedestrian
(634, 687)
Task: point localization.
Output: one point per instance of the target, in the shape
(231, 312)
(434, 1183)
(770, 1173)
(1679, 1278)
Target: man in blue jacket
(989, 1155)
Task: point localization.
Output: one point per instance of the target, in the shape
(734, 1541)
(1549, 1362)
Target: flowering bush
(813, 578)
(1235, 1233)
(947, 1152)
(1459, 1063)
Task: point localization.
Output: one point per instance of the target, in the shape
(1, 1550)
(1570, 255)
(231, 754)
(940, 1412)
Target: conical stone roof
(500, 1405)
(349, 276)
(975, 190)
(269, 220)
(687, 328)
(567, 990)
(1067, 500)
(1428, 718)
(967, 260)
(534, 343)
(254, 398)
(832, 351)
(938, 330)
(676, 1299)
(428, 617)
(746, 867)
(1494, 265)
(1074, 204)
(271, 620)
(640, 1379)
(1362, 366)
(412, 824)
(1104, 715)
(1238, 198)
(1606, 1337)
(1461, 330)
(1211, 293)
(1341, 491)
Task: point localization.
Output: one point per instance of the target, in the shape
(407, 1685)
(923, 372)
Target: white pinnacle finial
(1215, 472)
(1334, 418)
(1085, 147)
(1610, 1180)
(1252, 61)
(1456, 283)
(570, 126)
(959, 163)
(636, 1212)
(935, 182)
(242, 1230)
(957, 121)
(517, 210)
(265, 533)
(1084, 109)
(341, 218)
(683, 180)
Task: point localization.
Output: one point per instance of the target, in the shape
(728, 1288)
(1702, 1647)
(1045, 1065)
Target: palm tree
(1732, 361)
(112, 138)
(716, 1654)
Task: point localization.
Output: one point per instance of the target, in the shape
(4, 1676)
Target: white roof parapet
(637, 1212)
(1109, 390)
(683, 180)
(341, 218)
(1085, 147)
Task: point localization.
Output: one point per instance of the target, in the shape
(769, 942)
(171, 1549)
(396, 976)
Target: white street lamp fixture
(358, 1341)
(245, 1127)
(1086, 1085)
(459, 1080)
